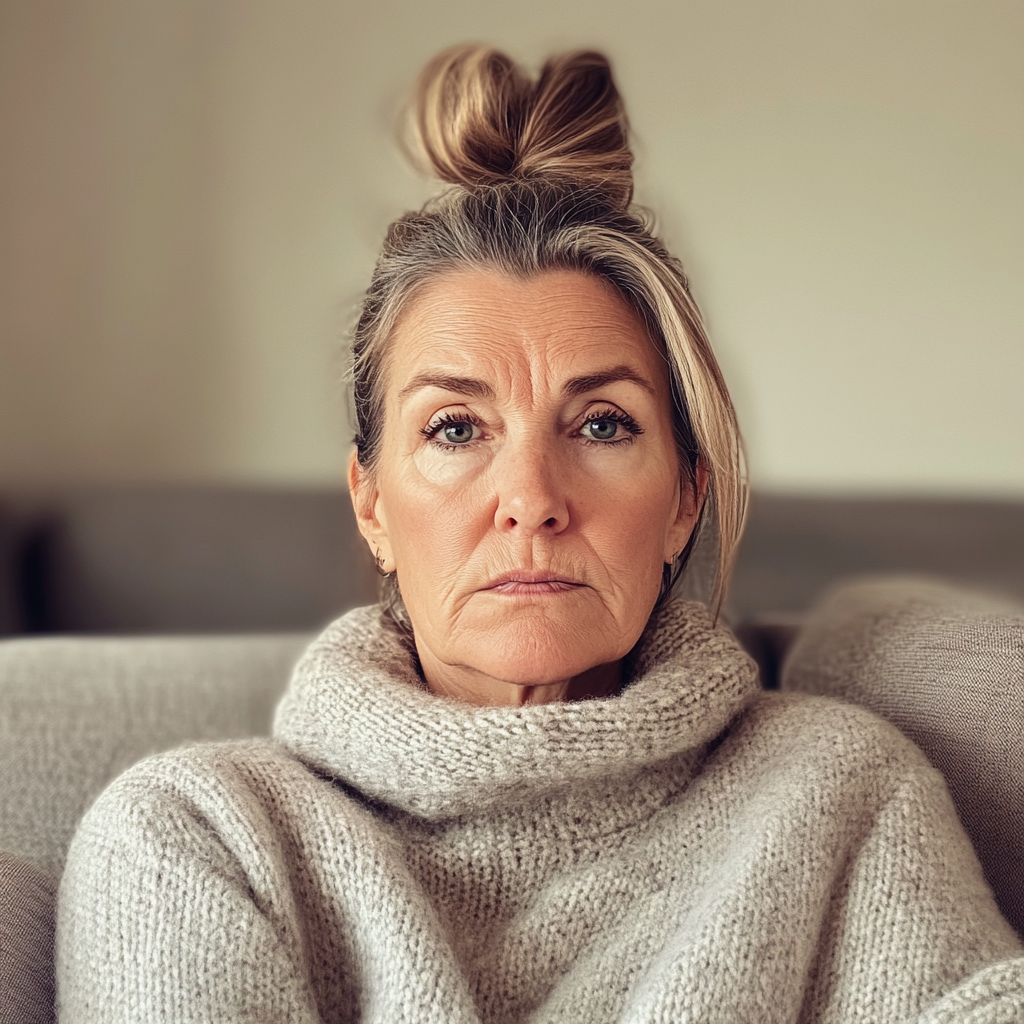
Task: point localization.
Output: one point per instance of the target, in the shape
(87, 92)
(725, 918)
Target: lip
(528, 581)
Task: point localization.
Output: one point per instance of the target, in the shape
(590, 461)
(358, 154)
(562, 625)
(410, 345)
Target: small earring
(379, 563)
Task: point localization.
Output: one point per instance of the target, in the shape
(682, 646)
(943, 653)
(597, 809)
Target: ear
(362, 487)
(691, 501)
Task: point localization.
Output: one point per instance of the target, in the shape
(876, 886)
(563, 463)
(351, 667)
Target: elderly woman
(530, 786)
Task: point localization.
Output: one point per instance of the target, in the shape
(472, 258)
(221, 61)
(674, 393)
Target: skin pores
(527, 491)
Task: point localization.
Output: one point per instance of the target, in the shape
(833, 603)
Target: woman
(531, 786)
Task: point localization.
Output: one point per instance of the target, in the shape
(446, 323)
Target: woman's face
(527, 492)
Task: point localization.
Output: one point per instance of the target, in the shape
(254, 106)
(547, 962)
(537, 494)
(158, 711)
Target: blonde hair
(541, 180)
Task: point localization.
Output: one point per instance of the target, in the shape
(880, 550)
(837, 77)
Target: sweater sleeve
(915, 934)
(993, 995)
(165, 916)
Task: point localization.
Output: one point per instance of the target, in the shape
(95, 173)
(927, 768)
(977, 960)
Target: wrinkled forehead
(520, 334)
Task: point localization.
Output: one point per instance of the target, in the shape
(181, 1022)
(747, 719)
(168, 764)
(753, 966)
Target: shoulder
(205, 797)
(826, 726)
(839, 776)
(834, 746)
(181, 876)
(202, 767)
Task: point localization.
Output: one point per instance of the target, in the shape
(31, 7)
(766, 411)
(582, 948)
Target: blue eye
(458, 433)
(601, 429)
(449, 431)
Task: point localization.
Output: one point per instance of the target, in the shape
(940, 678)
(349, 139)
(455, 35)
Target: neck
(485, 691)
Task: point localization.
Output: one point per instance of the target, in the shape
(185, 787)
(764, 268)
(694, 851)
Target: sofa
(141, 620)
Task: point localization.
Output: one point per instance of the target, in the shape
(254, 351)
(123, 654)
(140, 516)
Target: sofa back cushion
(182, 559)
(795, 547)
(946, 666)
(78, 711)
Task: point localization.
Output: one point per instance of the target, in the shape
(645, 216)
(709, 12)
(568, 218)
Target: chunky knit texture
(690, 850)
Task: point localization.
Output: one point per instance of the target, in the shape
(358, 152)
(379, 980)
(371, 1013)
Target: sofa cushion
(946, 666)
(78, 711)
(794, 546)
(180, 559)
(27, 896)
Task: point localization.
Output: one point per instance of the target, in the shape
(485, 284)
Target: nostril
(551, 522)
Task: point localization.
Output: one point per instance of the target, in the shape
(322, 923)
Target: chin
(537, 653)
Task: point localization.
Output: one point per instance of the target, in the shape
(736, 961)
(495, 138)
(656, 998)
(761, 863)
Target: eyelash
(633, 428)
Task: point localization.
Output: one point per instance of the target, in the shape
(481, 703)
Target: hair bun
(480, 121)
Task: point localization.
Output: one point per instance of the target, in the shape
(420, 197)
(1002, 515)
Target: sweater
(691, 849)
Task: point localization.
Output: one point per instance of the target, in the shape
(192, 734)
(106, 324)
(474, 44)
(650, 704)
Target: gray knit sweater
(690, 850)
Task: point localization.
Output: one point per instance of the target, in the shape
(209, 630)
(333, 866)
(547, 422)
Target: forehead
(554, 324)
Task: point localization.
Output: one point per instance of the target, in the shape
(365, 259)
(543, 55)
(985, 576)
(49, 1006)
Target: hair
(541, 179)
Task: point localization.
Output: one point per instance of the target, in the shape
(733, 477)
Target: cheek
(631, 507)
(446, 471)
(435, 516)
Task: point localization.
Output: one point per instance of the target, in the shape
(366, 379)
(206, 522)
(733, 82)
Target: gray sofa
(944, 663)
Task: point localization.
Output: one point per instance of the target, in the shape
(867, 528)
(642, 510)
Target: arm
(917, 923)
(993, 995)
(174, 906)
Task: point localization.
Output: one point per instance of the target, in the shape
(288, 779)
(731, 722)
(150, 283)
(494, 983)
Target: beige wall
(192, 192)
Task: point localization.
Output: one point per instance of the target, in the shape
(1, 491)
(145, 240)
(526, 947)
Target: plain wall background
(193, 192)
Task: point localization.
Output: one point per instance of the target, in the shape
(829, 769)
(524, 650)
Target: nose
(531, 488)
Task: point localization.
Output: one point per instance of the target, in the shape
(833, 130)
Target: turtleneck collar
(356, 710)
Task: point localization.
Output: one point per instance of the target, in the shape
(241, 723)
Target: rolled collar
(356, 710)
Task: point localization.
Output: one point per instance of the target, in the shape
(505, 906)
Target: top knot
(479, 121)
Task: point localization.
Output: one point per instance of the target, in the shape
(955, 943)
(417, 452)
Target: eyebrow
(469, 386)
(592, 381)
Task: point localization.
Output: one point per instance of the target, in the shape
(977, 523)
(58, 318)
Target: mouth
(522, 582)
